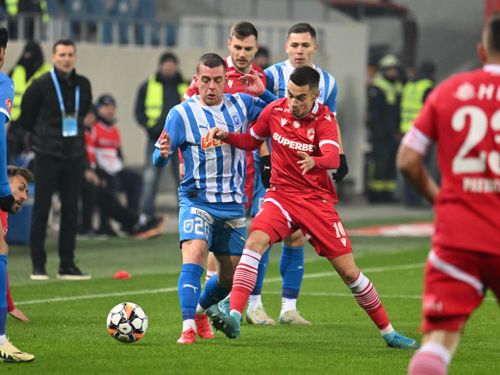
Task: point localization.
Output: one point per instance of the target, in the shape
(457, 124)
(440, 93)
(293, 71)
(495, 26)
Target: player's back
(463, 115)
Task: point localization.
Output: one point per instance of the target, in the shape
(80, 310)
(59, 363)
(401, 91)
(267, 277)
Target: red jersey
(233, 84)
(463, 116)
(103, 144)
(288, 136)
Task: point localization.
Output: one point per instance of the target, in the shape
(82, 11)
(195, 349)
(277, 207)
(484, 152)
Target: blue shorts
(221, 225)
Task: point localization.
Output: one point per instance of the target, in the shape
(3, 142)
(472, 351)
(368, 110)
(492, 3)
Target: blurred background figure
(262, 57)
(384, 98)
(28, 67)
(156, 96)
(414, 94)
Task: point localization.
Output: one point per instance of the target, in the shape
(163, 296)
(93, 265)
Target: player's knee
(258, 241)
(349, 276)
(296, 239)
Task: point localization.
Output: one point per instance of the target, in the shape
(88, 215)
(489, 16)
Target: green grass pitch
(67, 331)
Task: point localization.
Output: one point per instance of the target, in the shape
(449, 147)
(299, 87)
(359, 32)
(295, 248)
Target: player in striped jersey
(301, 46)
(211, 195)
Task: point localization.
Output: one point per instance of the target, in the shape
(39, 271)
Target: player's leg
(189, 285)
(256, 313)
(292, 273)
(435, 354)
(366, 296)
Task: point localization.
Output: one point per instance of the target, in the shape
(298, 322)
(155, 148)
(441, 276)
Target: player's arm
(6, 198)
(343, 169)
(245, 141)
(173, 135)
(409, 161)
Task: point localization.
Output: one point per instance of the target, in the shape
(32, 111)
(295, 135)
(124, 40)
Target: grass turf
(67, 331)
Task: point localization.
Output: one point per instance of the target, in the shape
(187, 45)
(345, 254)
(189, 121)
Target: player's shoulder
(324, 114)
(276, 66)
(5, 81)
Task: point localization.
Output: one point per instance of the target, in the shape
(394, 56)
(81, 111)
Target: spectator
(105, 143)
(384, 97)
(29, 67)
(53, 109)
(414, 94)
(262, 58)
(155, 98)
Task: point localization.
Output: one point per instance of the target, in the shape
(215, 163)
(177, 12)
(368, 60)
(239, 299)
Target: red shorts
(455, 284)
(282, 215)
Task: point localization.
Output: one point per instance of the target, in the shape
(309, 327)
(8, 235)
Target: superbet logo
(207, 142)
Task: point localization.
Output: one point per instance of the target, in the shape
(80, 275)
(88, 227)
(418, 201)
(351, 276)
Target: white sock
(188, 323)
(254, 301)
(288, 304)
(3, 339)
(387, 330)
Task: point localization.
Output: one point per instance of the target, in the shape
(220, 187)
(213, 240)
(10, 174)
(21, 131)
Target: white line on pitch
(174, 289)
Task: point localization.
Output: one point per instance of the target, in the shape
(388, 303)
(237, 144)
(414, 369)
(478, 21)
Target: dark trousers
(63, 176)
(382, 171)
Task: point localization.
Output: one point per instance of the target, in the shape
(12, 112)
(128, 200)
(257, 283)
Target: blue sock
(257, 290)
(189, 289)
(292, 270)
(3, 293)
(213, 293)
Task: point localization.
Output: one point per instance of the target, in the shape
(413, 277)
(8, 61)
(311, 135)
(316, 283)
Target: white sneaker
(292, 317)
(259, 316)
(9, 353)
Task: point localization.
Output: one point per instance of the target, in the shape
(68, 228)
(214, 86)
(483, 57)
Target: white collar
(492, 68)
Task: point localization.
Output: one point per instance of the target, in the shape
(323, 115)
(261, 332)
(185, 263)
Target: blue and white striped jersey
(278, 75)
(213, 171)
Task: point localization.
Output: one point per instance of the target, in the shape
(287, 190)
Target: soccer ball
(127, 322)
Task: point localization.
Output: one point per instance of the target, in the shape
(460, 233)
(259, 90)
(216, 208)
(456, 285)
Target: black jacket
(41, 115)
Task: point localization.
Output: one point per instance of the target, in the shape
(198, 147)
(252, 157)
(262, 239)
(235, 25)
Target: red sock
(244, 279)
(367, 297)
(431, 359)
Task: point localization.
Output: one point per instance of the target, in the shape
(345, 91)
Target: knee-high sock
(189, 289)
(3, 293)
(257, 291)
(244, 279)
(432, 358)
(367, 297)
(292, 271)
(212, 293)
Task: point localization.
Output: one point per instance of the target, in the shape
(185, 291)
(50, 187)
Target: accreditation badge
(69, 126)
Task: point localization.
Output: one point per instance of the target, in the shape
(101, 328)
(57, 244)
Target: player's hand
(307, 163)
(7, 204)
(19, 315)
(253, 83)
(216, 133)
(181, 171)
(265, 170)
(165, 145)
(342, 170)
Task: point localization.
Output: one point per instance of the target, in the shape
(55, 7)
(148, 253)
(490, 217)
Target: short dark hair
(305, 75)
(63, 42)
(4, 37)
(13, 171)
(244, 29)
(168, 56)
(493, 33)
(301, 28)
(211, 60)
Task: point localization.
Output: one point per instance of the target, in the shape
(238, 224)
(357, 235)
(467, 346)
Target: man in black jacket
(53, 109)
(155, 98)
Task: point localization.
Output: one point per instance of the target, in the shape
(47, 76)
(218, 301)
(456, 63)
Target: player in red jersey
(305, 146)
(462, 116)
(18, 181)
(243, 45)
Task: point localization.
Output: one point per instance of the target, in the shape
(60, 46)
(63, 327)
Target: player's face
(242, 52)
(64, 58)
(301, 49)
(19, 188)
(300, 99)
(210, 83)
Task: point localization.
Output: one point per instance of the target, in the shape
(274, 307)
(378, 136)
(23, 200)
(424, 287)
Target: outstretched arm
(242, 141)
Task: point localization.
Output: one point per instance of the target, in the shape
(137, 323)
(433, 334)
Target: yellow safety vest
(412, 101)
(20, 86)
(390, 89)
(154, 99)
(12, 7)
